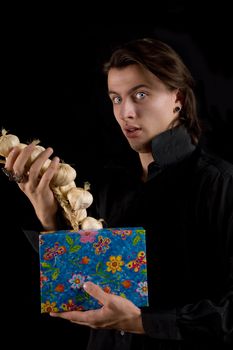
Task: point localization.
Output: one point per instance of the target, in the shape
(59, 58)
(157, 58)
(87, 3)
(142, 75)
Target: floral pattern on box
(113, 258)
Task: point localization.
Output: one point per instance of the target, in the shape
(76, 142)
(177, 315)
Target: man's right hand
(36, 186)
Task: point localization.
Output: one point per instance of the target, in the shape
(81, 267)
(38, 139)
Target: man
(182, 197)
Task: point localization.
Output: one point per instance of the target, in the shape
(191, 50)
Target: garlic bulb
(64, 176)
(79, 198)
(64, 189)
(7, 142)
(90, 223)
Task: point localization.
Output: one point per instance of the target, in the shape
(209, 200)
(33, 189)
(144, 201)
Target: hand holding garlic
(73, 200)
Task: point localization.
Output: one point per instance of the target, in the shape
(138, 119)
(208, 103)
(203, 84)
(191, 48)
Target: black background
(53, 89)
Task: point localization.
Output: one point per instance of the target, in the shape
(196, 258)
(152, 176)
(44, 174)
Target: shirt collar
(171, 146)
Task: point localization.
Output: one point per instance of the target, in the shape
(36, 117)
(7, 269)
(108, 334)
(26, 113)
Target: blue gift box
(113, 258)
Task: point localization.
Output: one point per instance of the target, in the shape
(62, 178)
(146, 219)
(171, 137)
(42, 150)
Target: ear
(179, 97)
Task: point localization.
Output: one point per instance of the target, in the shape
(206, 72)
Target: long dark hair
(164, 62)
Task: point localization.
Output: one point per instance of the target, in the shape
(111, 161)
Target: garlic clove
(79, 198)
(7, 142)
(90, 223)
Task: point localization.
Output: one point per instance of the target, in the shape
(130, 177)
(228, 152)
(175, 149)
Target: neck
(146, 159)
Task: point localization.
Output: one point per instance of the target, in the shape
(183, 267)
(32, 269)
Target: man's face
(142, 104)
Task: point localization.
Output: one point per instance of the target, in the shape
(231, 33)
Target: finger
(22, 159)
(68, 315)
(35, 169)
(40, 160)
(85, 318)
(96, 292)
(12, 156)
(65, 315)
(49, 173)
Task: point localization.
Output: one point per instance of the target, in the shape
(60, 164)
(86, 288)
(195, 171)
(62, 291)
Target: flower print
(107, 289)
(60, 288)
(114, 264)
(69, 306)
(138, 262)
(142, 289)
(52, 252)
(77, 281)
(43, 279)
(126, 283)
(87, 236)
(49, 307)
(122, 233)
(85, 260)
(102, 245)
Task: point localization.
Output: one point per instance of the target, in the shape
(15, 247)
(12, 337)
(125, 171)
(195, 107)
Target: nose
(127, 110)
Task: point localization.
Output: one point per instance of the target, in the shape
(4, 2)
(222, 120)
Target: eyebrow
(110, 92)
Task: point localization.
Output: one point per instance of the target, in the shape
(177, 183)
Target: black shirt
(186, 207)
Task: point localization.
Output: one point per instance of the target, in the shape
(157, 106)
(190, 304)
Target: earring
(176, 109)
